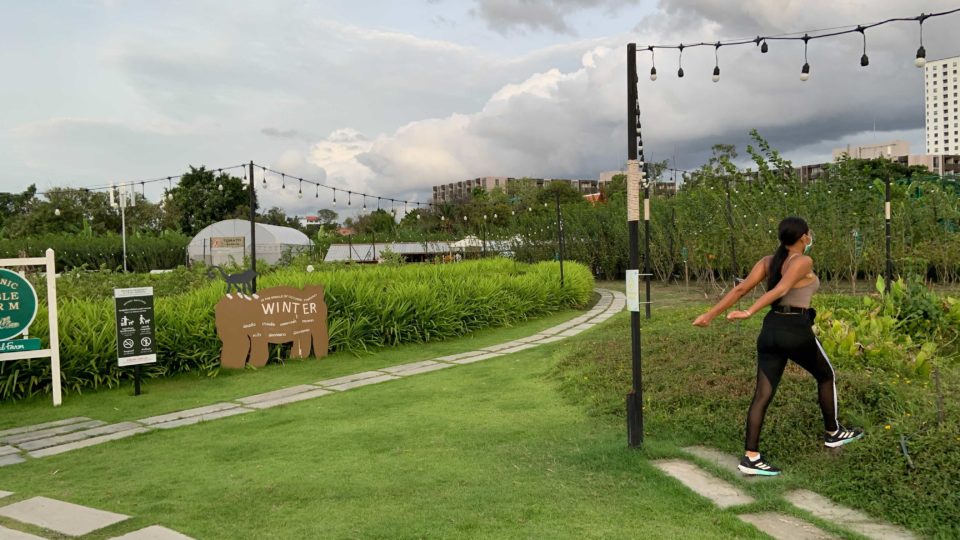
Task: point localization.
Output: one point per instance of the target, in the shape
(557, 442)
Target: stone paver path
(777, 525)
(847, 518)
(155, 532)
(62, 517)
(52, 438)
(10, 534)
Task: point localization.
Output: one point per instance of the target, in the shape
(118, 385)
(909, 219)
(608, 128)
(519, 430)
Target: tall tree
(202, 197)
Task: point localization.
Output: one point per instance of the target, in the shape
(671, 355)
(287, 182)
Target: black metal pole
(888, 272)
(136, 380)
(253, 230)
(559, 239)
(635, 397)
(646, 233)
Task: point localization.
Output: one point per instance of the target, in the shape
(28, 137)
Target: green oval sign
(18, 304)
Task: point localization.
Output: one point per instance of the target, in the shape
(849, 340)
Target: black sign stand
(136, 336)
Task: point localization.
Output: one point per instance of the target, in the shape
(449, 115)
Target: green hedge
(369, 307)
(144, 253)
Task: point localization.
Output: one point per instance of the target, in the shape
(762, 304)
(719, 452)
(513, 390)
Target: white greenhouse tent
(228, 242)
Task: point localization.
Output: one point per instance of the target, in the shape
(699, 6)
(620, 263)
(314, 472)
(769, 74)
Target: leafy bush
(907, 331)
(369, 307)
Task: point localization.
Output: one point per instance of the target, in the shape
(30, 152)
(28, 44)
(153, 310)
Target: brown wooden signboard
(247, 325)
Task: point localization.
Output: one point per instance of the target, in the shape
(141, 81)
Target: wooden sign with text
(247, 325)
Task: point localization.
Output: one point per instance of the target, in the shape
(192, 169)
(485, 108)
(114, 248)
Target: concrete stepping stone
(424, 369)
(551, 339)
(570, 333)
(6, 450)
(302, 396)
(154, 532)
(349, 378)
(396, 370)
(5, 493)
(11, 459)
(472, 359)
(92, 441)
(784, 527)
(78, 435)
(383, 377)
(10, 534)
(34, 435)
(186, 413)
(190, 420)
(277, 394)
(62, 517)
(518, 348)
(723, 494)
(723, 460)
(46, 425)
(847, 518)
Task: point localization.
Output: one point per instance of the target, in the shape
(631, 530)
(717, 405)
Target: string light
(653, 68)
(805, 70)
(284, 180)
(680, 62)
(349, 193)
(300, 190)
(716, 67)
(921, 59)
(762, 41)
(364, 202)
(317, 195)
(264, 177)
(864, 61)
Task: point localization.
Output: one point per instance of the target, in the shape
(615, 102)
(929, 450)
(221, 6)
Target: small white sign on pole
(18, 320)
(633, 290)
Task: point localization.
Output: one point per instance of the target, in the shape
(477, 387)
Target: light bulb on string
(264, 178)
(349, 193)
(56, 212)
(680, 62)
(864, 60)
(921, 59)
(653, 68)
(334, 197)
(300, 189)
(364, 202)
(805, 70)
(716, 67)
(283, 184)
(317, 194)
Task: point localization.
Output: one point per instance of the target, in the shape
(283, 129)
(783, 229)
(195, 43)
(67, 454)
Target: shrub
(369, 307)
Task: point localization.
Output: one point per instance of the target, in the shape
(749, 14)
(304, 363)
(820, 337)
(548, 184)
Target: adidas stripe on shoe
(759, 467)
(841, 437)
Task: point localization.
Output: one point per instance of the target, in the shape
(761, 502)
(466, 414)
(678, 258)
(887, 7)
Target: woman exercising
(787, 333)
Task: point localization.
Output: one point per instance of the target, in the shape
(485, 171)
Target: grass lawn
(488, 450)
(194, 390)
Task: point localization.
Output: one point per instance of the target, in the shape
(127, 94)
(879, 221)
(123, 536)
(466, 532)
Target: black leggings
(789, 336)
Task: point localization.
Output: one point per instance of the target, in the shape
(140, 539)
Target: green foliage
(906, 332)
(698, 383)
(144, 252)
(369, 306)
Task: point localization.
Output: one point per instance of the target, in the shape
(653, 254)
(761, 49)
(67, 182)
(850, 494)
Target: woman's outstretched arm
(755, 277)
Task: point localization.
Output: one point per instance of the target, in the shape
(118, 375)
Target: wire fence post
(888, 271)
(635, 397)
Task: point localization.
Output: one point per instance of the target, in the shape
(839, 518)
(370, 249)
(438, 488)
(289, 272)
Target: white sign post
(53, 353)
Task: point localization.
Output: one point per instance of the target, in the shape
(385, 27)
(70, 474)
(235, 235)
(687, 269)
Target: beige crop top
(800, 296)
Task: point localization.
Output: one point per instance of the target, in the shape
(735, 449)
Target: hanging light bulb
(653, 68)
(921, 59)
(334, 197)
(805, 70)
(56, 212)
(864, 60)
(680, 62)
(464, 218)
(349, 193)
(283, 184)
(442, 217)
(364, 202)
(317, 194)
(763, 48)
(300, 189)
(264, 178)
(716, 67)
(219, 186)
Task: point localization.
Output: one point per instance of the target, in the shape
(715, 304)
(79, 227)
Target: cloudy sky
(391, 97)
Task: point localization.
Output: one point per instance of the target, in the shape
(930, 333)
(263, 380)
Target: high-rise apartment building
(940, 105)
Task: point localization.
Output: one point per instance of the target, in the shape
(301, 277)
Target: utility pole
(253, 228)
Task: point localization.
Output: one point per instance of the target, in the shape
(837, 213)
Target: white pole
(54, 327)
(123, 222)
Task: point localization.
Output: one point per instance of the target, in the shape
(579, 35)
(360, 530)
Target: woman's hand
(738, 315)
(703, 320)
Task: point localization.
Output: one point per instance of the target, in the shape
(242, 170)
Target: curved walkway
(54, 438)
